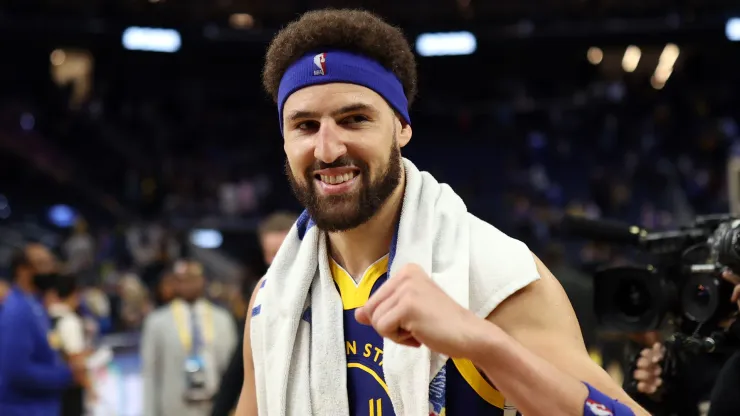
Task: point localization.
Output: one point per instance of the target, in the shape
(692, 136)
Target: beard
(347, 211)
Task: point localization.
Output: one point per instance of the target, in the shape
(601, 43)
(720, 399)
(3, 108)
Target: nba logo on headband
(319, 62)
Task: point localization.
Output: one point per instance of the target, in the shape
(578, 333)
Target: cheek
(300, 156)
(376, 159)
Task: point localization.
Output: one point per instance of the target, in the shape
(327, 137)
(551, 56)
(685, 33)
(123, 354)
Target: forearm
(531, 383)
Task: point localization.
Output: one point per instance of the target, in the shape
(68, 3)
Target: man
(344, 123)
(62, 301)
(32, 374)
(708, 376)
(5, 287)
(185, 348)
(271, 232)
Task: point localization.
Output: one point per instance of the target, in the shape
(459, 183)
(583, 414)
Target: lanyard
(184, 329)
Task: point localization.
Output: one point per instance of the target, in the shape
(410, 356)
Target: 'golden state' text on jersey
(467, 392)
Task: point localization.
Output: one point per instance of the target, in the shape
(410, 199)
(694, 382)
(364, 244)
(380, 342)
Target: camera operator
(688, 390)
(703, 378)
(725, 399)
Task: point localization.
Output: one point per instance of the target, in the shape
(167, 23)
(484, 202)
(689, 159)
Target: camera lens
(702, 295)
(633, 299)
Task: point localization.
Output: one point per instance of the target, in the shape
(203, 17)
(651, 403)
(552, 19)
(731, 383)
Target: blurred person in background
(5, 287)
(185, 348)
(68, 336)
(153, 248)
(79, 251)
(164, 291)
(272, 231)
(32, 374)
(134, 302)
(95, 307)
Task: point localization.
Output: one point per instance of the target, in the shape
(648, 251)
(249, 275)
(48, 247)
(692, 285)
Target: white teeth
(337, 179)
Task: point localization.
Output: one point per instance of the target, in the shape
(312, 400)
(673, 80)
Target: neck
(191, 300)
(25, 286)
(356, 249)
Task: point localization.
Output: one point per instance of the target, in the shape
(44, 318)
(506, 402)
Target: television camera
(683, 280)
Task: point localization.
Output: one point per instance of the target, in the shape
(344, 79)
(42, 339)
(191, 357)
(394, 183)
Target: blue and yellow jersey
(467, 390)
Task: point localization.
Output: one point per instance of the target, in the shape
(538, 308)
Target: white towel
(297, 329)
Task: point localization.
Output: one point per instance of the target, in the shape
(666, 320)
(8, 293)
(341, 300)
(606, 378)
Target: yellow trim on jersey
(372, 373)
(354, 294)
(472, 376)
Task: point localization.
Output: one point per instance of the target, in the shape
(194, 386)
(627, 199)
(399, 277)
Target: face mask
(44, 282)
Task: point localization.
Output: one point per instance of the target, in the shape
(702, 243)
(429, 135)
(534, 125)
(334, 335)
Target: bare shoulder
(542, 307)
(541, 319)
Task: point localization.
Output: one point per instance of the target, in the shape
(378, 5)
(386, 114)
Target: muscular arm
(247, 405)
(541, 364)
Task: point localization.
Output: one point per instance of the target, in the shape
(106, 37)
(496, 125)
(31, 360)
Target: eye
(355, 119)
(307, 126)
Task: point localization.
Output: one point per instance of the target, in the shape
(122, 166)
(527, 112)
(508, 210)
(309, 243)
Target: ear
(404, 134)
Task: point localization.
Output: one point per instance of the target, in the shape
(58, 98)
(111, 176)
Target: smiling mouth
(337, 179)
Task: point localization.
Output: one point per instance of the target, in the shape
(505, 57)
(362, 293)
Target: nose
(329, 144)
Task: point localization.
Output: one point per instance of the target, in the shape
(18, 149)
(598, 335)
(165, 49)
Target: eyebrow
(298, 115)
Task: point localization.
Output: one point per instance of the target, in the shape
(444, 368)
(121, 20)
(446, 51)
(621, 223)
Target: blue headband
(340, 66)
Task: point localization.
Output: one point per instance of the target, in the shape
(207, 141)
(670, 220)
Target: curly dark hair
(355, 31)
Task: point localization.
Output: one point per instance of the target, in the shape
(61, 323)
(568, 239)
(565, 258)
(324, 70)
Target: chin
(337, 222)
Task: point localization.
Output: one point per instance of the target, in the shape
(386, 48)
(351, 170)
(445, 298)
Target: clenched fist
(411, 310)
(648, 371)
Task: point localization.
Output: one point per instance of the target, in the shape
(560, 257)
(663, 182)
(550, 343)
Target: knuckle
(403, 274)
(407, 310)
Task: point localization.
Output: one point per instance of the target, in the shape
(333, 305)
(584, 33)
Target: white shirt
(69, 328)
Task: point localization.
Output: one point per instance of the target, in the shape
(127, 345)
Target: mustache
(341, 162)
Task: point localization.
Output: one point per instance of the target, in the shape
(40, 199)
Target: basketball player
(530, 348)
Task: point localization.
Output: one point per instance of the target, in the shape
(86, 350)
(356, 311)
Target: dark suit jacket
(232, 380)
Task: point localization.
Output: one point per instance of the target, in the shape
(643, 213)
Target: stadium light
(61, 215)
(631, 58)
(446, 44)
(732, 29)
(151, 39)
(663, 71)
(206, 238)
(594, 55)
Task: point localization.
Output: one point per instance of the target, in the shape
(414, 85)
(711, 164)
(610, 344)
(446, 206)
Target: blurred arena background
(134, 133)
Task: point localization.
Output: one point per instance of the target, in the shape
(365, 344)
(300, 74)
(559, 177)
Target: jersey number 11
(376, 407)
